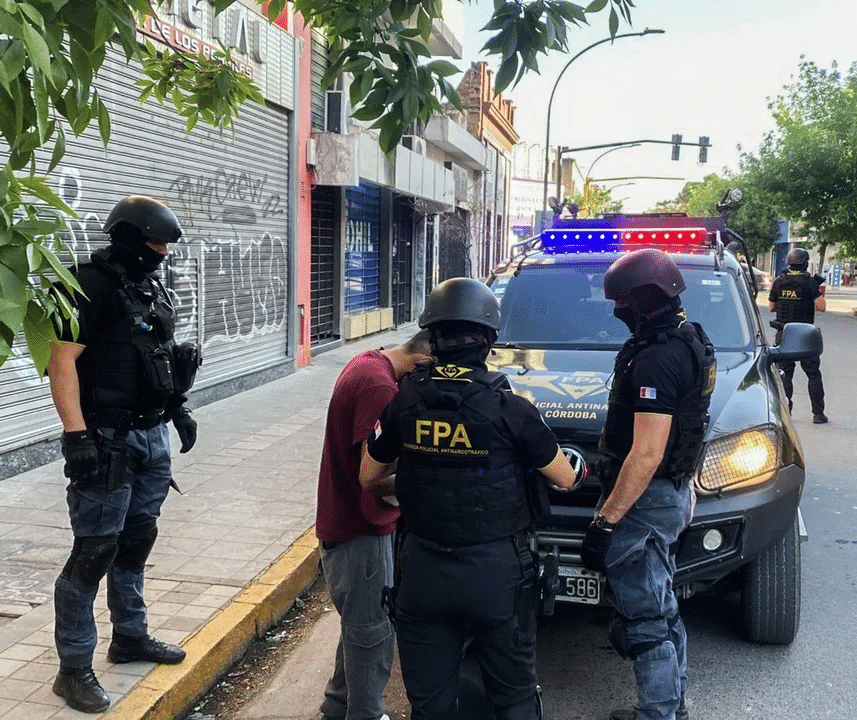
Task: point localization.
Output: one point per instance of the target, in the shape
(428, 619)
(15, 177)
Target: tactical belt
(116, 418)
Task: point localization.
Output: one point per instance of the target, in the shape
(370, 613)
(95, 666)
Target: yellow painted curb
(169, 690)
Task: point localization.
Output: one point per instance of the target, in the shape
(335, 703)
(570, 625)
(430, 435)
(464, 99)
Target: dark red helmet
(641, 269)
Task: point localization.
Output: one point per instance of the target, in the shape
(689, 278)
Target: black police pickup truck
(557, 343)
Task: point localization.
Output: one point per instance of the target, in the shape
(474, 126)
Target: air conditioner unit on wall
(414, 143)
(335, 112)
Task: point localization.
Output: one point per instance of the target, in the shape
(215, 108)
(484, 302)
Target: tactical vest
(127, 363)
(795, 302)
(447, 488)
(690, 419)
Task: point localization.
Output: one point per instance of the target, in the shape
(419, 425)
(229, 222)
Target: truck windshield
(563, 306)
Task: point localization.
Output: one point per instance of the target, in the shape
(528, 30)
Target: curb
(169, 690)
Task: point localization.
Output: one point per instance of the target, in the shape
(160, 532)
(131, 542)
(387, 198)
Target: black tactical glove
(596, 543)
(819, 279)
(81, 456)
(185, 426)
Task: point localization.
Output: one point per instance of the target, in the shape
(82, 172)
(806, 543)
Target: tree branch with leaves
(51, 52)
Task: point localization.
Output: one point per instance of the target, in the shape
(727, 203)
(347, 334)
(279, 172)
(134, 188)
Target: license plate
(580, 585)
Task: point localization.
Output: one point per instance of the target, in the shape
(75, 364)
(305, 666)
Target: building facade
(491, 119)
(233, 276)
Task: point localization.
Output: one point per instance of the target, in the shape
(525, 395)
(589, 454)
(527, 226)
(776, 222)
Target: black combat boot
(81, 690)
(126, 648)
(680, 714)
(819, 418)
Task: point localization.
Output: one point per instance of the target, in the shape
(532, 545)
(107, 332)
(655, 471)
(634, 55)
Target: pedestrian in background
(464, 443)
(657, 415)
(795, 297)
(114, 387)
(355, 529)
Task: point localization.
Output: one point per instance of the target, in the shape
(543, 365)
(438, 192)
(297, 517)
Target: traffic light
(703, 148)
(676, 146)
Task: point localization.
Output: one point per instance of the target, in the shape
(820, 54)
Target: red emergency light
(604, 239)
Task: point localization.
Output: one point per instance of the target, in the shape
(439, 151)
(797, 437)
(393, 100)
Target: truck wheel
(771, 592)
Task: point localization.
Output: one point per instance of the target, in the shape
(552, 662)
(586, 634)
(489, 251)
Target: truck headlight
(747, 458)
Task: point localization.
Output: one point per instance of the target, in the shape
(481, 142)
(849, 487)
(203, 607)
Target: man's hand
(186, 427)
(596, 543)
(81, 456)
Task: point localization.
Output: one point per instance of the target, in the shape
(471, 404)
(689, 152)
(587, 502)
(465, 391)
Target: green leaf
(368, 113)
(32, 14)
(192, 120)
(614, 22)
(103, 122)
(80, 62)
(40, 100)
(506, 74)
(39, 188)
(444, 68)
(14, 307)
(37, 48)
(596, 6)
(424, 24)
(40, 333)
(34, 257)
(62, 272)
(104, 26)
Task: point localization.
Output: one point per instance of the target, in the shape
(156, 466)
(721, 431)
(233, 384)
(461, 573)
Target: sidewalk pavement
(232, 554)
(842, 299)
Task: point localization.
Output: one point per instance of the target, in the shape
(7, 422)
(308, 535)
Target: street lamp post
(647, 31)
(588, 179)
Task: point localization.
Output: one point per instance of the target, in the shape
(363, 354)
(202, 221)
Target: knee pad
(135, 544)
(632, 649)
(88, 562)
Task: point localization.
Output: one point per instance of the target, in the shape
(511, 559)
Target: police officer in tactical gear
(114, 387)
(796, 296)
(656, 419)
(463, 443)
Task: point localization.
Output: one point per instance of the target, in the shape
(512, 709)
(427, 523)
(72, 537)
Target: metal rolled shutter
(362, 248)
(228, 276)
(323, 277)
(318, 54)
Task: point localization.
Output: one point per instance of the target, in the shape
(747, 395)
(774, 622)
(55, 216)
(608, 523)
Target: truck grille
(567, 545)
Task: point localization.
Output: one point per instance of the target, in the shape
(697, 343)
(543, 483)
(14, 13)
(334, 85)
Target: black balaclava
(130, 247)
(461, 343)
(649, 308)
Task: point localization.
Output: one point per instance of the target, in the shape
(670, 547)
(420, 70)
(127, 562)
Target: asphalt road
(729, 678)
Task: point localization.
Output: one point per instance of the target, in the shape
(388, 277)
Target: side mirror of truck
(799, 341)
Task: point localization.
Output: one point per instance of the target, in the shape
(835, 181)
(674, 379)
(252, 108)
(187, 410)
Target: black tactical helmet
(798, 257)
(151, 217)
(639, 269)
(461, 299)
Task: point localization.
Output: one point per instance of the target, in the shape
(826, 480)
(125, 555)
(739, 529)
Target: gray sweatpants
(356, 572)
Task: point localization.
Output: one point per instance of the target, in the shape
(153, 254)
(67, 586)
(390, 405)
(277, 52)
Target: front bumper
(747, 522)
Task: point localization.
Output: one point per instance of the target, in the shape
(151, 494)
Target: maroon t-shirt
(345, 511)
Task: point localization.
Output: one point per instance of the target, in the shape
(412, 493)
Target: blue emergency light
(598, 235)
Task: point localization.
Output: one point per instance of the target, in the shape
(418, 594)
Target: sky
(711, 73)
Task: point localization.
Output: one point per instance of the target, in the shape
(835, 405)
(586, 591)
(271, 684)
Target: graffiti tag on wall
(245, 266)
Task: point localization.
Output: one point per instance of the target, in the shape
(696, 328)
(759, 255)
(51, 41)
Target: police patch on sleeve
(648, 393)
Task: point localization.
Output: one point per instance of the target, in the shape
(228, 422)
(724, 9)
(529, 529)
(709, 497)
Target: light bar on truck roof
(602, 239)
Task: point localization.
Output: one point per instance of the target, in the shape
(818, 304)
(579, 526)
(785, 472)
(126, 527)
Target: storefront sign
(236, 28)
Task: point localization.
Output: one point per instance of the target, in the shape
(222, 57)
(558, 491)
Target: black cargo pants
(447, 595)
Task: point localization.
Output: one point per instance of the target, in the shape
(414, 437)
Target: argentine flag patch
(648, 393)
